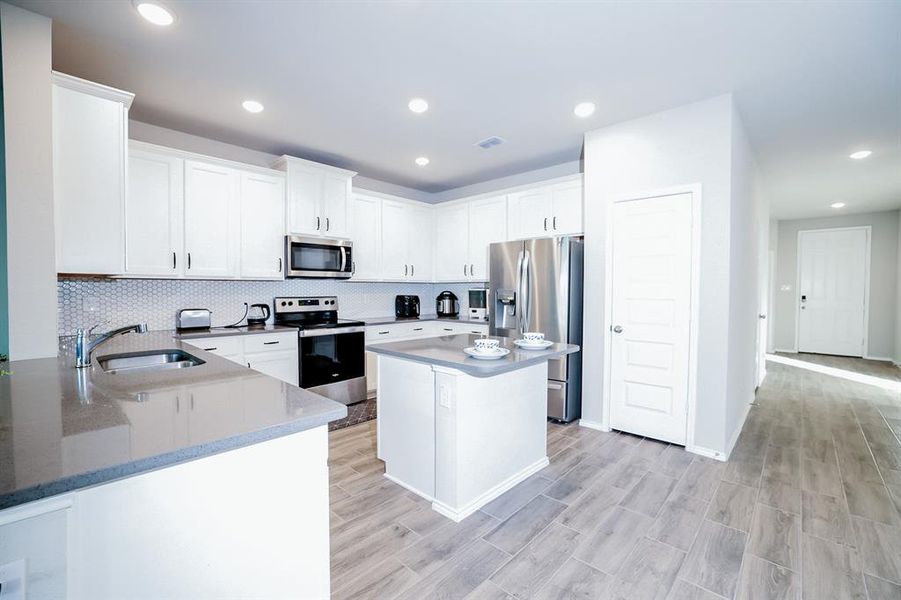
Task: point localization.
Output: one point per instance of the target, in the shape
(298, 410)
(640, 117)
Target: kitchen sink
(150, 360)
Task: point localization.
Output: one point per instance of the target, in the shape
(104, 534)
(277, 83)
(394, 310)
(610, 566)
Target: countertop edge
(144, 465)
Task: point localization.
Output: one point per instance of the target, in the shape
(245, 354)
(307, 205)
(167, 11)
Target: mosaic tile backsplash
(83, 302)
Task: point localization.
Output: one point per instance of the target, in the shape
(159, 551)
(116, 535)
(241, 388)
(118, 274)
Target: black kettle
(447, 304)
(258, 314)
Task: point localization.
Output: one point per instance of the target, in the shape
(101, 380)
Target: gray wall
(30, 239)
(883, 278)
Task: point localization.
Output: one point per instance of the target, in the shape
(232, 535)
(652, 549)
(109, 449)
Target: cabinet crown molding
(284, 161)
(89, 87)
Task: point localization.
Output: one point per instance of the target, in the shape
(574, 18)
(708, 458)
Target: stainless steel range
(331, 352)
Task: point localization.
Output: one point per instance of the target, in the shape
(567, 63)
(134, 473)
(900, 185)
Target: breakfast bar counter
(458, 430)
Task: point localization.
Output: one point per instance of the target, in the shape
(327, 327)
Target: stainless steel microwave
(318, 258)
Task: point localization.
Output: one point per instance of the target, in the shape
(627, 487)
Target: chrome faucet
(84, 345)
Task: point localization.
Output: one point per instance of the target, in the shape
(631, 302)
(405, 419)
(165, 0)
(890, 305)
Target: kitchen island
(208, 481)
(460, 431)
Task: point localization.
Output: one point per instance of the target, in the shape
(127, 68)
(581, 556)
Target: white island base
(459, 440)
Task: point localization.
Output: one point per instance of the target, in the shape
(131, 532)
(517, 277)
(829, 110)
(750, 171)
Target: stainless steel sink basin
(151, 360)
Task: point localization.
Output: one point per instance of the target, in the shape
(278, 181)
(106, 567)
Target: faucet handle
(96, 325)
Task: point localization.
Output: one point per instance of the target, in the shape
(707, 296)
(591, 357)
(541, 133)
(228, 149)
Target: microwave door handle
(343, 259)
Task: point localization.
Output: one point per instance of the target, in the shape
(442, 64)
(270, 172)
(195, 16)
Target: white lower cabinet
(34, 542)
(273, 354)
(394, 332)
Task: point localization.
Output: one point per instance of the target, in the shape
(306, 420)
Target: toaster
(193, 318)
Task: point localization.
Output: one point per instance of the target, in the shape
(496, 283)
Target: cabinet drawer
(230, 345)
(270, 342)
(380, 333)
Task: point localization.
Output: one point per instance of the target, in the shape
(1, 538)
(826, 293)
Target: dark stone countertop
(447, 351)
(62, 428)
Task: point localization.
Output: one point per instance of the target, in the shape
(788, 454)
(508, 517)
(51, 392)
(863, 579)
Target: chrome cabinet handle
(412, 270)
(406, 269)
(189, 260)
(279, 264)
(545, 223)
(384, 332)
(270, 343)
(326, 224)
(554, 223)
(173, 260)
(464, 270)
(317, 223)
(211, 349)
(617, 329)
(472, 270)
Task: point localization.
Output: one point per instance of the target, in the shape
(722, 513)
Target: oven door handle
(331, 331)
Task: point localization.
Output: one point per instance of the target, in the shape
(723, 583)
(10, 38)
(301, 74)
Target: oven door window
(312, 257)
(328, 359)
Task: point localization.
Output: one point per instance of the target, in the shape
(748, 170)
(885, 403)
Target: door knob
(617, 329)
(761, 316)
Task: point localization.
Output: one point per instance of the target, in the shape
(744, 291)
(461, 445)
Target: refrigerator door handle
(526, 313)
(518, 302)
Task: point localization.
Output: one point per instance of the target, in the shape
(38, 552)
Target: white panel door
(304, 193)
(832, 290)
(487, 224)
(651, 302)
(153, 213)
(395, 233)
(420, 243)
(365, 231)
(335, 194)
(531, 213)
(211, 220)
(262, 226)
(566, 208)
(451, 242)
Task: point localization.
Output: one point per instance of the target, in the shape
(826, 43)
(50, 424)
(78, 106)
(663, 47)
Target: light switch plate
(12, 580)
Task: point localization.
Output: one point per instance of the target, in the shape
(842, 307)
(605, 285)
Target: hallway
(809, 505)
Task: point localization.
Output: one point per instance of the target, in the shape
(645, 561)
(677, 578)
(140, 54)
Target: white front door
(832, 290)
(652, 242)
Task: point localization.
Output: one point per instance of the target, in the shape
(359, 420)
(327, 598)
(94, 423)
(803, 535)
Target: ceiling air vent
(490, 142)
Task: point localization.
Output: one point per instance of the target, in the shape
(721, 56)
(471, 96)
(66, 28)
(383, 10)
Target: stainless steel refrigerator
(536, 285)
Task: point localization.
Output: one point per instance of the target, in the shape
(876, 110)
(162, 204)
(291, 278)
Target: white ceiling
(813, 81)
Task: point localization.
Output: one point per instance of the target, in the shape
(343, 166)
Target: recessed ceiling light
(860, 154)
(155, 13)
(422, 161)
(837, 205)
(418, 105)
(252, 106)
(584, 109)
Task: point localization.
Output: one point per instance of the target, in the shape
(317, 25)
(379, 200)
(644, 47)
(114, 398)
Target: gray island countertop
(63, 429)
(447, 351)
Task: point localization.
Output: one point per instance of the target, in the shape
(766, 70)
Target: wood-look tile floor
(808, 506)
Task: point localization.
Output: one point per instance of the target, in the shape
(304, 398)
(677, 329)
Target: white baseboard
(880, 358)
(458, 514)
(593, 425)
(408, 487)
(786, 350)
(732, 441)
(706, 452)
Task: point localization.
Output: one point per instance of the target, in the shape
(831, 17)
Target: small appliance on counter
(447, 304)
(406, 306)
(478, 304)
(257, 315)
(193, 318)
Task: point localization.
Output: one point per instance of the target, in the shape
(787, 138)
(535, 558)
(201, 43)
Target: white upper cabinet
(395, 245)
(318, 197)
(566, 208)
(262, 226)
(420, 241)
(487, 224)
(211, 220)
(365, 231)
(554, 209)
(154, 220)
(90, 133)
(452, 242)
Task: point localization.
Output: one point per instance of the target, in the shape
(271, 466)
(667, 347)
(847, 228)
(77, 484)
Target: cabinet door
(487, 224)
(158, 423)
(304, 194)
(211, 228)
(420, 243)
(154, 214)
(530, 213)
(395, 233)
(365, 231)
(566, 204)
(451, 242)
(262, 226)
(214, 411)
(335, 197)
(281, 365)
(89, 150)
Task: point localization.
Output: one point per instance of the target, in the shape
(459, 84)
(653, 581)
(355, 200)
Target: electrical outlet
(12, 580)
